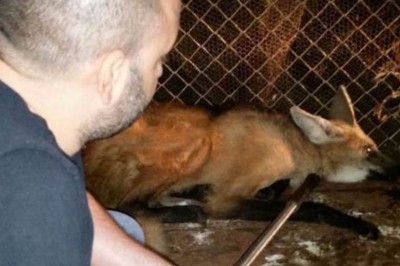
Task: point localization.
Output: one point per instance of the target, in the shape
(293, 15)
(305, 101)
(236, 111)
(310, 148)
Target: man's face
(145, 71)
(157, 45)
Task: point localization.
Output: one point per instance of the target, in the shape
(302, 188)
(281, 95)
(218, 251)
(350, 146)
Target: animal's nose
(390, 167)
(388, 174)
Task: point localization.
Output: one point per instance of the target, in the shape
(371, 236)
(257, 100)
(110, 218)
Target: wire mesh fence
(279, 53)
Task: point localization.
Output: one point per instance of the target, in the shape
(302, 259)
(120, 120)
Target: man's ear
(113, 73)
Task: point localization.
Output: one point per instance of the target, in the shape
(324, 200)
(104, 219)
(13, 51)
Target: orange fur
(150, 156)
(174, 147)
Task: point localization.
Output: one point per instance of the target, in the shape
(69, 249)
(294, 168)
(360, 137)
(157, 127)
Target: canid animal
(172, 148)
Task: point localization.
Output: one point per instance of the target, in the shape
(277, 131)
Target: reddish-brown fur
(173, 147)
(164, 145)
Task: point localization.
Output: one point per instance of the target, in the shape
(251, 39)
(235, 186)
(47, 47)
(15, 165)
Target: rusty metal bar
(267, 235)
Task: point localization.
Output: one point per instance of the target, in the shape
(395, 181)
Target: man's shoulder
(32, 160)
(15, 136)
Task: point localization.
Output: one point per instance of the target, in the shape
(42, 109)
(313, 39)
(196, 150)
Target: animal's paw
(368, 230)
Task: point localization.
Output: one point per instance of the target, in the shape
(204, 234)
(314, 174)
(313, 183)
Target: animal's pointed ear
(342, 107)
(317, 129)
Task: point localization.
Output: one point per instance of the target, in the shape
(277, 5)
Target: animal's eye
(368, 149)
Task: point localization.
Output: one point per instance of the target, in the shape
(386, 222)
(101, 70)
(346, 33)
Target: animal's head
(348, 154)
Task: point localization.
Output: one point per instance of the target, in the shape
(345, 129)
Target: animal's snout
(386, 168)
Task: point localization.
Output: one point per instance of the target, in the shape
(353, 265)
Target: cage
(278, 53)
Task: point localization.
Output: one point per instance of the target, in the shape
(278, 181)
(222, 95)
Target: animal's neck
(308, 156)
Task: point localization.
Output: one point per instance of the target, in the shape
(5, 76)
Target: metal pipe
(270, 231)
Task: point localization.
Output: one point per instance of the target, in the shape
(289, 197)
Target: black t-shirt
(44, 214)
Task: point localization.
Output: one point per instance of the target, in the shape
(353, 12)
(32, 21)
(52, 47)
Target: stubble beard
(119, 116)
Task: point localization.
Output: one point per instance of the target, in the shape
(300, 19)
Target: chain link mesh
(279, 53)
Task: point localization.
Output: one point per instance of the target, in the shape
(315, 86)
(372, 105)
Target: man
(71, 71)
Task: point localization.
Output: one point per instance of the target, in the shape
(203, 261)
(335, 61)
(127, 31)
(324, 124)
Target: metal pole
(266, 236)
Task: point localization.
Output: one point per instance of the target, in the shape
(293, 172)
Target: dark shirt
(44, 214)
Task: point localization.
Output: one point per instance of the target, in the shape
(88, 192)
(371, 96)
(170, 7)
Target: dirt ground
(220, 242)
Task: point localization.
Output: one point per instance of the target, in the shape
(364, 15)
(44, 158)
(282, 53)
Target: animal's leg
(274, 191)
(185, 196)
(308, 212)
(146, 188)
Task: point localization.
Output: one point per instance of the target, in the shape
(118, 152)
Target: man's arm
(112, 246)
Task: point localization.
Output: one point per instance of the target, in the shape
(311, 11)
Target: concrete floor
(222, 242)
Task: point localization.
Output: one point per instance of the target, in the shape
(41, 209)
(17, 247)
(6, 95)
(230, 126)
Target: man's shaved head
(56, 36)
